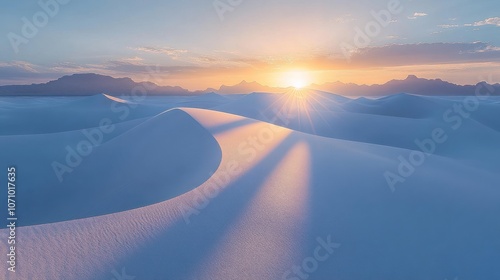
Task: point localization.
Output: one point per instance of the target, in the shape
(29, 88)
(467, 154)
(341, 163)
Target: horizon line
(244, 81)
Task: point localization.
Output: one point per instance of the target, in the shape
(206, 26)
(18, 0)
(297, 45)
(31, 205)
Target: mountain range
(90, 84)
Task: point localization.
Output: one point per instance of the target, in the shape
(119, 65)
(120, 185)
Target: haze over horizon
(198, 44)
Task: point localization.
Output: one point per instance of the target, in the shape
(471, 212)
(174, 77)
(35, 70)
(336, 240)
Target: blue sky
(192, 44)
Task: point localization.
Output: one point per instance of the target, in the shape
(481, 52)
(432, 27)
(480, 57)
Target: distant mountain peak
(245, 82)
(411, 85)
(90, 84)
(245, 87)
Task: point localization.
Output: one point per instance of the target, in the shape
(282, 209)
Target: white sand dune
(165, 149)
(395, 121)
(398, 105)
(226, 190)
(79, 113)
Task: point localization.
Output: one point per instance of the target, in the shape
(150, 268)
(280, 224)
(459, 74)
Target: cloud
(449, 25)
(421, 54)
(174, 53)
(22, 72)
(223, 64)
(127, 68)
(489, 21)
(135, 58)
(417, 15)
(18, 66)
(384, 56)
(184, 58)
(488, 48)
(18, 70)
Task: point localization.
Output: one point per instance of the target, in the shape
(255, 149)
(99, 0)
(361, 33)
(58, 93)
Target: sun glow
(297, 79)
(298, 84)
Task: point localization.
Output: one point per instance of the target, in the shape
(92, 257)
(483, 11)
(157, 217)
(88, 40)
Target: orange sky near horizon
(303, 77)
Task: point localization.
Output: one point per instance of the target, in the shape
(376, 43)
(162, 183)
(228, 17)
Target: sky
(198, 44)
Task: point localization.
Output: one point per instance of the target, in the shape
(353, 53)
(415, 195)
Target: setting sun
(296, 79)
(298, 84)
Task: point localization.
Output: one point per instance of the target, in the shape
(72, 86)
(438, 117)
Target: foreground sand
(249, 187)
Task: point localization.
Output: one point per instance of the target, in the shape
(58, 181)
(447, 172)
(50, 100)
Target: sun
(297, 79)
(299, 84)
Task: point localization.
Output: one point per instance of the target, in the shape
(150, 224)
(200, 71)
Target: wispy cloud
(420, 54)
(135, 58)
(174, 53)
(448, 26)
(21, 72)
(495, 21)
(489, 21)
(18, 66)
(397, 55)
(417, 15)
